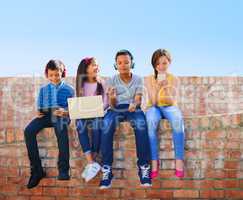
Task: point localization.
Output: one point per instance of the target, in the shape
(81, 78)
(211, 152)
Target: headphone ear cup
(64, 73)
(115, 66)
(133, 65)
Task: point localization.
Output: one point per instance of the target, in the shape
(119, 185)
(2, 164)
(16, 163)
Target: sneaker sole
(146, 185)
(106, 187)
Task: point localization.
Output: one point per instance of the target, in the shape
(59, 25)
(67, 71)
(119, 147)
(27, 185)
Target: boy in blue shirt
(52, 112)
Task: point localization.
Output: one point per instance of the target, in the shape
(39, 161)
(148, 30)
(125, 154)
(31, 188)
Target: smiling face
(92, 69)
(124, 63)
(162, 64)
(54, 76)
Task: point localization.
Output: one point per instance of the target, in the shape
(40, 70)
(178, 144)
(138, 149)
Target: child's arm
(137, 101)
(111, 92)
(170, 92)
(152, 89)
(40, 103)
(61, 112)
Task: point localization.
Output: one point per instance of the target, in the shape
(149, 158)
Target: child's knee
(28, 131)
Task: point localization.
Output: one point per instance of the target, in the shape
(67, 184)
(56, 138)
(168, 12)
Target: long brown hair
(155, 57)
(81, 77)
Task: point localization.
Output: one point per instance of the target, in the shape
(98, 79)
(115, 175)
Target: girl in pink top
(88, 83)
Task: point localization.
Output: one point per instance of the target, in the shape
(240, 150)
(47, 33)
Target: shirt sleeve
(40, 99)
(72, 93)
(108, 84)
(105, 96)
(139, 86)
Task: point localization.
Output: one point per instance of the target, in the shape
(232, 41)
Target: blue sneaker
(107, 177)
(144, 175)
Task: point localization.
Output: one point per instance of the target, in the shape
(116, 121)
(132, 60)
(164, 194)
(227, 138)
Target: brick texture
(213, 110)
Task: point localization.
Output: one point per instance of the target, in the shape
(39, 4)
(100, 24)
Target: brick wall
(213, 110)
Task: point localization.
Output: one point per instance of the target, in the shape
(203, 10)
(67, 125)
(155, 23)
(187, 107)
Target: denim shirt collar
(58, 85)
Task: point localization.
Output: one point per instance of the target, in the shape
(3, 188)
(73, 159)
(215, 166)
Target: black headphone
(124, 52)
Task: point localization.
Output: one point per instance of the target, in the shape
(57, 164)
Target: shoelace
(106, 172)
(145, 171)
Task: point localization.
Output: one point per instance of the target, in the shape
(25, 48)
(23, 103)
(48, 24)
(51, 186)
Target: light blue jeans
(175, 118)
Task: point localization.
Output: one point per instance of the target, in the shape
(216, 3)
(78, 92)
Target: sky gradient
(205, 37)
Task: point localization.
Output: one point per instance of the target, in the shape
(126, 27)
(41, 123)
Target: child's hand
(132, 107)
(111, 92)
(39, 114)
(60, 112)
(162, 84)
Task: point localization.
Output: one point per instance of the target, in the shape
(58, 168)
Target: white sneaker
(90, 171)
(84, 173)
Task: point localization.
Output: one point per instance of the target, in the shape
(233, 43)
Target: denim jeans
(175, 118)
(82, 126)
(137, 119)
(60, 125)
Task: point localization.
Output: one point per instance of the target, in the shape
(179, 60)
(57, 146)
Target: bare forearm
(138, 99)
(112, 101)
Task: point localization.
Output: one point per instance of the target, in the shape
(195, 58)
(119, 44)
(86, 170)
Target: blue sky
(205, 37)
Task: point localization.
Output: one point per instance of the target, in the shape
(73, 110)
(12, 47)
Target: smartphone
(161, 77)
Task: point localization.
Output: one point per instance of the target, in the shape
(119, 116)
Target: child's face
(54, 76)
(163, 64)
(124, 63)
(93, 69)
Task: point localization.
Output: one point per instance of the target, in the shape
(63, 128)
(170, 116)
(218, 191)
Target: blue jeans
(138, 121)
(82, 126)
(175, 118)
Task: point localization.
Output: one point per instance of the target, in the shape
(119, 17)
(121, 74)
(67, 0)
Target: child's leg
(61, 130)
(174, 115)
(96, 135)
(30, 132)
(153, 117)
(111, 119)
(81, 125)
(138, 122)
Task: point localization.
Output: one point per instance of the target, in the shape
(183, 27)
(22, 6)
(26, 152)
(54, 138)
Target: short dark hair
(55, 65)
(124, 52)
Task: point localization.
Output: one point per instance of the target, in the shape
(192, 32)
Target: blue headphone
(124, 52)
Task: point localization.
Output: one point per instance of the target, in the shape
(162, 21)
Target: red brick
(160, 194)
(234, 194)
(212, 194)
(231, 164)
(126, 193)
(10, 136)
(113, 193)
(57, 191)
(42, 198)
(186, 193)
(17, 198)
